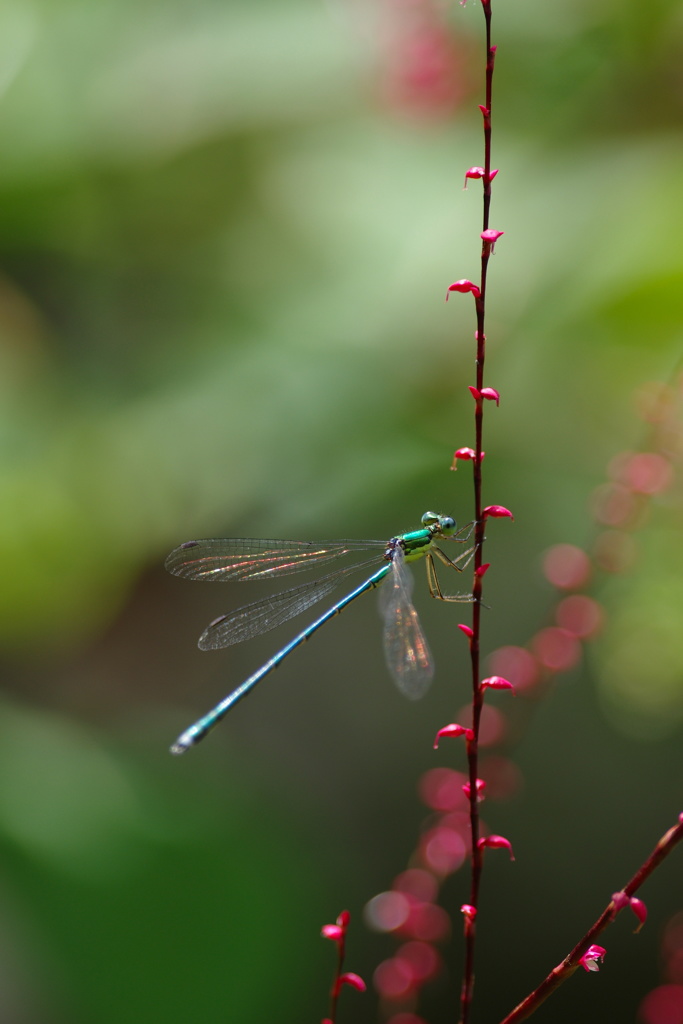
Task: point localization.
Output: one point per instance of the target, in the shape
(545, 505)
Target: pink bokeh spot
(443, 850)
(579, 615)
(492, 724)
(393, 978)
(387, 911)
(614, 505)
(422, 957)
(428, 922)
(644, 472)
(614, 550)
(503, 777)
(663, 1005)
(441, 789)
(417, 882)
(566, 566)
(516, 664)
(556, 648)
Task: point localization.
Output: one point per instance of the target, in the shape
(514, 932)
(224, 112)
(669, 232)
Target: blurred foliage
(224, 251)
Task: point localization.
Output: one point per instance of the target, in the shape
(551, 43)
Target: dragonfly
(405, 646)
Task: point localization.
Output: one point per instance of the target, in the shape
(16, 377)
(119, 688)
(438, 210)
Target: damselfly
(405, 646)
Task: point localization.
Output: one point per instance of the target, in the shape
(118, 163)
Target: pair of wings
(238, 559)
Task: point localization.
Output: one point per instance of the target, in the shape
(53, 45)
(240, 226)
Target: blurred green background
(226, 234)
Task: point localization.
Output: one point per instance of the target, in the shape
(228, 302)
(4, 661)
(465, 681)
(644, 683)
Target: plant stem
(477, 698)
(567, 966)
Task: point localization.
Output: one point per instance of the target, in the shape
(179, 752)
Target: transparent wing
(253, 619)
(238, 558)
(405, 645)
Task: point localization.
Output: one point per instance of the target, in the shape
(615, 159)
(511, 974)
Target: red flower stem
(477, 693)
(567, 967)
(336, 984)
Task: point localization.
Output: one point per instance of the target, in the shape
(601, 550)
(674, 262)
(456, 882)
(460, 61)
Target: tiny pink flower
(467, 630)
(474, 172)
(491, 395)
(453, 730)
(589, 960)
(640, 910)
(465, 454)
(621, 900)
(469, 913)
(496, 683)
(492, 174)
(463, 286)
(474, 392)
(496, 843)
(497, 512)
(485, 110)
(491, 237)
(482, 570)
(336, 931)
(354, 980)
(481, 786)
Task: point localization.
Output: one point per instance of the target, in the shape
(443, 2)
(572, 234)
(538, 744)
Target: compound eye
(429, 518)
(447, 523)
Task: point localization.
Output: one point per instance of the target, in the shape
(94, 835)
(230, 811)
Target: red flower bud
(490, 237)
(491, 395)
(621, 900)
(467, 630)
(496, 683)
(332, 931)
(453, 730)
(640, 910)
(354, 980)
(463, 286)
(496, 842)
(497, 512)
(482, 570)
(465, 454)
(481, 786)
(474, 172)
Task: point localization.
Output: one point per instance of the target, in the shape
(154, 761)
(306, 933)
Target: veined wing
(239, 558)
(245, 558)
(405, 646)
(260, 616)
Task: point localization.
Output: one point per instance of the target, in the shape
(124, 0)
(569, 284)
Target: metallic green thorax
(417, 543)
